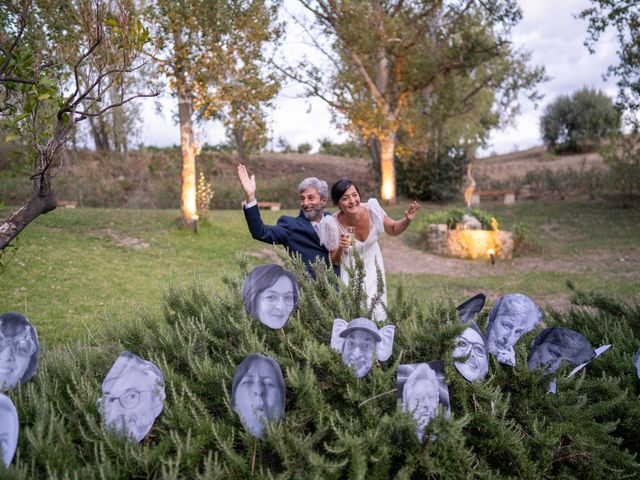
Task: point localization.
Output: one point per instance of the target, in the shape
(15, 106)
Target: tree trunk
(387, 167)
(188, 206)
(99, 134)
(43, 200)
(238, 135)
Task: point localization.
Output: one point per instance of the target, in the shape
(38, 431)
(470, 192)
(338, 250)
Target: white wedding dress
(369, 250)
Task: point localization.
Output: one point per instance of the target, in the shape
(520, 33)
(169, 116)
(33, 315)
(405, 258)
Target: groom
(297, 234)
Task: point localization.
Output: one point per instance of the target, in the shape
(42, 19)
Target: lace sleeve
(377, 214)
(329, 233)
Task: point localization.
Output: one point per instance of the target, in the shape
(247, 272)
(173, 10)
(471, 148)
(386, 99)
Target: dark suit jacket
(295, 233)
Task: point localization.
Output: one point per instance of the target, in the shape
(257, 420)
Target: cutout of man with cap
(132, 396)
(357, 340)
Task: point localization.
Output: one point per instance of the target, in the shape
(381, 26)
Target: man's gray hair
(320, 185)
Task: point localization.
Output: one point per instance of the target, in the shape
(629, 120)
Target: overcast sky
(548, 29)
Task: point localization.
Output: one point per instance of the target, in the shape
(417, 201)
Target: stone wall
(471, 244)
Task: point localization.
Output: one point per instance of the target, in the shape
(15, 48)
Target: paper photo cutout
(636, 362)
(19, 349)
(132, 396)
(270, 293)
(469, 309)
(423, 390)
(9, 427)
(512, 316)
(555, 345)
(258, 392)
(472, 348)
(357, 341)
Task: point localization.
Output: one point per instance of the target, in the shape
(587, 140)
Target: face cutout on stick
(19, 350)
(556, 345)
(423, 389)
(258, 392)
(470, 347)
(636, 362)
(512, 316)
(358, 340)
(270, 293)
(8, 429)
(132, 396)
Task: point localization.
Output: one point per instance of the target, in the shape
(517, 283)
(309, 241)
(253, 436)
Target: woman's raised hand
(410, 213)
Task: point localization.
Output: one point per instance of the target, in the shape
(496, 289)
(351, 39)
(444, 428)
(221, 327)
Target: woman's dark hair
(13, 324)
(243, 368)
(261, 278)
(338, 189)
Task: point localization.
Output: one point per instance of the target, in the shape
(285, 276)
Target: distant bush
(351, 149)
(578, 123)
(304, 148)
(623, 158)
(434, 176)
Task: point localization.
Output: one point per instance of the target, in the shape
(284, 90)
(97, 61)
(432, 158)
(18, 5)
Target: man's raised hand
(248, 183)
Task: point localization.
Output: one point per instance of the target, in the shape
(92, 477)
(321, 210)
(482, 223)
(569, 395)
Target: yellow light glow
(490, 251)
(473, 244)
(387, 190)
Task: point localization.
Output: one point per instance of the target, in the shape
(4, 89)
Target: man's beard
(314, 214)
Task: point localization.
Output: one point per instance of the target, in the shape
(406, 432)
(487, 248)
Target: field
(78, 271)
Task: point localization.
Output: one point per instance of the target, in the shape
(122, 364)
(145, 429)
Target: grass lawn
(79, 270)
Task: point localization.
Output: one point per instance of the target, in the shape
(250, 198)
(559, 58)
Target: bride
(359, 226)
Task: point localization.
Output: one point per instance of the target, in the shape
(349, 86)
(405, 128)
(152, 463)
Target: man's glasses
(129, 399)
(273, 298)
(20, 346)
(478, 348)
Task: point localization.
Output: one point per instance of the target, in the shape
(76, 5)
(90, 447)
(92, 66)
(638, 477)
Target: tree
(39, 109)
(624, 17)
(579, 121)
(391, 62)
(241, 97)
(199, 46)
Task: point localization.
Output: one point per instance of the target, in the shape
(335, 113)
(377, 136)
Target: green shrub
(453, 216)
(335, 426)
(434, 176)
(578, 122)
(524, 241)
(351, 149)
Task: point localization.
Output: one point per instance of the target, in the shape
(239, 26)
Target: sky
(548, 29)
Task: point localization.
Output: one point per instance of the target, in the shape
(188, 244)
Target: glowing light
(387, 190)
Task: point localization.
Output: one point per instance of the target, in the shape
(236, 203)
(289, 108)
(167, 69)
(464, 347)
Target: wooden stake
(377, 396)
(287, 340)
(253, 458)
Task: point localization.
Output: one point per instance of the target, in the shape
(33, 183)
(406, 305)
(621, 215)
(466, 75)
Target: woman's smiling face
(350, 200)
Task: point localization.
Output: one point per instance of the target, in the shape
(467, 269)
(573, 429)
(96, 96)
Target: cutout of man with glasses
(18, 350)
(270, 294)
(132, 396)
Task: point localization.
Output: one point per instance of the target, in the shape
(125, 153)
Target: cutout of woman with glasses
(18, 350)
(132, 396)
(270, 293)
(471, 352)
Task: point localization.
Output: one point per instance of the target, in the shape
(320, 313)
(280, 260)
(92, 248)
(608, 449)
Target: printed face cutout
(258, 392)
(423, 389)
(8, 429)
(132, 396)
(512, 316)
(19, 350)
(471, 347)
(358, 340)
(636, 363)
(557, 344)
(270, 294)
